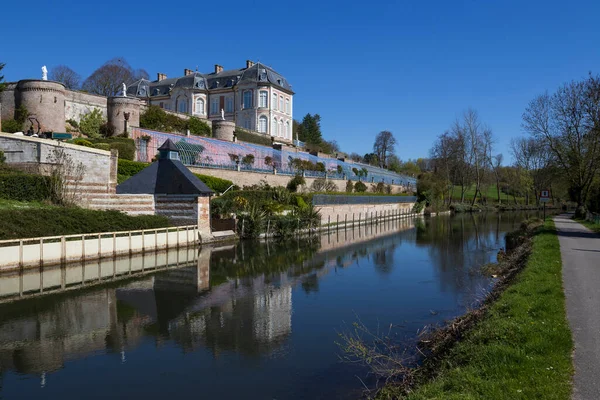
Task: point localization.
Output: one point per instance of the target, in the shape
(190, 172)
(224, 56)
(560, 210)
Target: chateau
(256, 97)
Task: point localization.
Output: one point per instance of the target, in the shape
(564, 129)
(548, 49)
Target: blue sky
(408, 67)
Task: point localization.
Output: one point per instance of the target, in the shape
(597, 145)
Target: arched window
(263, 97)
(200, 106)
(182, 105)
(248, 99)
(262, 124)
(287, 106)
(274, 102)
(280, 133)
(281, 104)
(287, 130)
(274, 127)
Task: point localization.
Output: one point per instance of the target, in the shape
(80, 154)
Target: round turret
(121, 110)
(44, 100)
(223, 129)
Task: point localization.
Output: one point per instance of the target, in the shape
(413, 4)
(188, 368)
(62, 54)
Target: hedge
(217, 184)
(125, 146)
(68, 221)
(130, 168)
(246, 136)
(24, 187)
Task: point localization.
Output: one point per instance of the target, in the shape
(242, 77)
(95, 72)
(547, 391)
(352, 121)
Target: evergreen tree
(309, 130)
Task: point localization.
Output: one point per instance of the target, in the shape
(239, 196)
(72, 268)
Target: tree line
(560, 151)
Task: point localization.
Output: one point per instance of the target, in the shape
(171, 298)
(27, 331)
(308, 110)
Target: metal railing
(323, 199)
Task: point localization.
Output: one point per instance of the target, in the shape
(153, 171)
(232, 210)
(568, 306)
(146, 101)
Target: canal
(241, 321)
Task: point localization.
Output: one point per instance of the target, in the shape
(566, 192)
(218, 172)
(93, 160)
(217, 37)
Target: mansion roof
(256, 74)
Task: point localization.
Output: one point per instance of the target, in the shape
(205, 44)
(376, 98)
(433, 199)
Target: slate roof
(258, 73)
(164, 176)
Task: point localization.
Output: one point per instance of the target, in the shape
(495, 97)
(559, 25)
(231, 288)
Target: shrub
(101, 146)
(323, 185)
(249, 137)
(82, 142)
(296, 181)
(156, 118)
(360, 187)
(73, 123)
(269, 161)
(90, 123)
(198, 127)
(319, 166)
(107, 130)
(217, 184)
(122, 178)
(130, 168)
(253, 196)
(2, 157)
(379, 188)
(248, 159)
(11, 126)
(24, 187)
(349, 186)
(125, 146)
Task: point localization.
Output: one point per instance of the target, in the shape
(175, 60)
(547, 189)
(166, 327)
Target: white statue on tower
(44, 73)
(222, 114)
(123, 90)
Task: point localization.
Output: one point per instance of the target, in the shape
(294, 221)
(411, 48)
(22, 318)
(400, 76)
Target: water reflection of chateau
(236, 299)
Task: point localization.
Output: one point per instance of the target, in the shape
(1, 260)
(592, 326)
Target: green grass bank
(522, 347)
(590, 225)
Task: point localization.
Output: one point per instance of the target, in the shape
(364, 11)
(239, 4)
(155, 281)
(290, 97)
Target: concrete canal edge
(519, 348)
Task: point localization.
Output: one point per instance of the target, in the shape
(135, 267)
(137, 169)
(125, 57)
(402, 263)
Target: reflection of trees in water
(383, 259)
(458, 245)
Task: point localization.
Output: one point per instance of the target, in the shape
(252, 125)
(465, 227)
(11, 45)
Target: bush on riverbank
(55, 221)
(520, 348)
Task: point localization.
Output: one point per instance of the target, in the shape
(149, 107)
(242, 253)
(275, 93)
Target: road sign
(544, 194)
(544, 200)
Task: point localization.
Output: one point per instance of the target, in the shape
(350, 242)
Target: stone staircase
(97, 196)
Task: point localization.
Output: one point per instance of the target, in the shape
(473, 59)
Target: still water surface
(243, 321)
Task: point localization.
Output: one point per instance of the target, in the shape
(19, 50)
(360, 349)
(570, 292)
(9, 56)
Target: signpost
(544, 198)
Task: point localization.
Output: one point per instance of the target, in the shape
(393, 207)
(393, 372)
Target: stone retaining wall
(249, 178)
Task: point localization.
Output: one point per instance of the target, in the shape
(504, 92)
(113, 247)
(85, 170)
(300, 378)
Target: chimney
(249, 63)
(161, 76)
(187, 72)
(218, 68)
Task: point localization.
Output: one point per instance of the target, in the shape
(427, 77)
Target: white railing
(50, 250)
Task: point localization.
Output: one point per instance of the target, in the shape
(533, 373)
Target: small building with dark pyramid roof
(168, 175)
(178, 193)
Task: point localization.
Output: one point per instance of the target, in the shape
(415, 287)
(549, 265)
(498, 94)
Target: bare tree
(65, 75)
(568, 122)
(384, 146)
(107, 79)
(356, 157)
(534, 161)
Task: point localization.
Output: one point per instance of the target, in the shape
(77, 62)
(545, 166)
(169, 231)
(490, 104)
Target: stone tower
(123, 112)
(45, 100)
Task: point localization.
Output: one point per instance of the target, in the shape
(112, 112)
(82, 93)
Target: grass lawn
(490, 193)
(591, 225)
(20, 205)
(522, 348)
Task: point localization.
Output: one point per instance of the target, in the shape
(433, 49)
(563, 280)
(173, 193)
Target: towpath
(580, 251)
